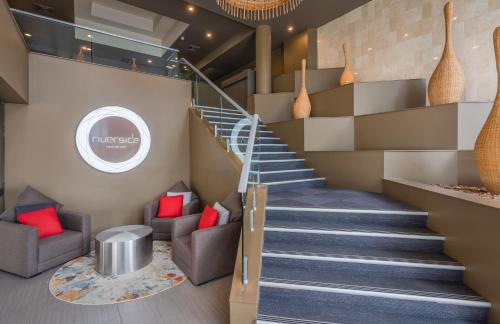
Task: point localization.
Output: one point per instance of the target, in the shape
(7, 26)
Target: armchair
(22, 253)
(210, 253)
(162, 227)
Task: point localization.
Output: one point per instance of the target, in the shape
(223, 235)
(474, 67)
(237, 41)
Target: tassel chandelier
(258, 9)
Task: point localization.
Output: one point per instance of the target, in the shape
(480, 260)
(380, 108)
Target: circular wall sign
(113, 139)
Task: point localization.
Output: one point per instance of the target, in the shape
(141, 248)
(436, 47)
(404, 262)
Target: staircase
(346, 256)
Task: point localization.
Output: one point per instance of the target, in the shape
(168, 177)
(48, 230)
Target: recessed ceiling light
(369, 49)
(475, 47)
(27, 35)
(290, 28)
(191, 8)
(150, 61)
(455, 18)
(435, 58)
(89, 36)
(406, 34)
(182, 38)
(209, 35)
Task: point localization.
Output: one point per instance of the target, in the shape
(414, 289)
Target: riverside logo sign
(113, 139)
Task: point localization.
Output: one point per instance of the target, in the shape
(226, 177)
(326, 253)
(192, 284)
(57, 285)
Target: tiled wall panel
(403, 39)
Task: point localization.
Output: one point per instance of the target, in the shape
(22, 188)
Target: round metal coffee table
(123, 249)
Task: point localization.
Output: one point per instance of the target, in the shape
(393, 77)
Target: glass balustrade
(58, 38)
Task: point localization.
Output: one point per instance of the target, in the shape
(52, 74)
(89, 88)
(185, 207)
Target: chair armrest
(192, 208)
(19, 252)
(77, 222)
(150, 211)
(185, 225)
(213, 251)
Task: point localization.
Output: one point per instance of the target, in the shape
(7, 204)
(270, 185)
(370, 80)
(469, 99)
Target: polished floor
(28, 301)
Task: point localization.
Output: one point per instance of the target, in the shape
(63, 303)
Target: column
(263, 59)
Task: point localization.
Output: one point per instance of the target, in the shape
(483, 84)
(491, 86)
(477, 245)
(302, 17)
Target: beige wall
(470, 225)
(294, 50)
(40, 138)
(382, 24)
(214, 172)
(14, 85)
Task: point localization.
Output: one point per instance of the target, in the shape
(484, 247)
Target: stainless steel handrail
(90, 29)
(216, 88)
(245, 171)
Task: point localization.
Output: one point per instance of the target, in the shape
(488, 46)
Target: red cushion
(208, 217)
(44, 219)
(170, 206)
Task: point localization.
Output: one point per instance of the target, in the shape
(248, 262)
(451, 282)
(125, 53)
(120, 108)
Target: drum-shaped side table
(123, 249)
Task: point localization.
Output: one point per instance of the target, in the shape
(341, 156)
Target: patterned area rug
(77, 281)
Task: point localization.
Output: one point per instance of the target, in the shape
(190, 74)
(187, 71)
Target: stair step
(401, 239)
(341, 303)
(281, 164)
(343, 217)
(218, 109)
(260, 140)
(266, 147)
(265, 156)
(367, 262)
(228, 124)
(270, 176)
(284, 185)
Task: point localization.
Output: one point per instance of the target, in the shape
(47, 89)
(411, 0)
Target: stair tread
(293, 180)
(368, 228)
(349, 316)
(276, 274)
(356, 253)
(333, 198)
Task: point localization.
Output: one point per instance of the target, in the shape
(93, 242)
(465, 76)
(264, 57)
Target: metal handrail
(216, 88)
(90, 29)
(245, 171)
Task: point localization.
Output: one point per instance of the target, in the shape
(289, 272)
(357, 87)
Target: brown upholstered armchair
(210, 253)
(24, 254)
(162, 227)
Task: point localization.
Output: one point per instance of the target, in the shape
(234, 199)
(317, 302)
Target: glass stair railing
(234, 126)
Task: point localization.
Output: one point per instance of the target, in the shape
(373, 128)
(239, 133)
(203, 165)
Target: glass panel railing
(58, 38)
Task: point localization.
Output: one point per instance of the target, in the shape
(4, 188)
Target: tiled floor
(28, 301)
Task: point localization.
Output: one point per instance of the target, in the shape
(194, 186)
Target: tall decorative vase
(134, 67)
(347, 76)
(447, 81)
(487, 149)
(302, 106)
(80, 56)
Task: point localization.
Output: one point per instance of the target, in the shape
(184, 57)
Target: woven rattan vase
(302, 105)
(346, 77)
(447, 81)
(487, 149)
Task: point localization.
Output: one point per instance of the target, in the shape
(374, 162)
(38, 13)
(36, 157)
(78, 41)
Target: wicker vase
(447, 81)
(302, 105)
(487, 149)
(347, 76)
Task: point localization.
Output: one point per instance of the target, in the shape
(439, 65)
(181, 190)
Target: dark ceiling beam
(224, 48)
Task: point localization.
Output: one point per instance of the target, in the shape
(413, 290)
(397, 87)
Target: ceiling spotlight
(290, 28)
(406, 34)
(209, 35)
(27, 35)
(150, 61)
(475, 47)
(182, 38)
(370, 49)
(89, 36)
(191, 8)
(455, 18)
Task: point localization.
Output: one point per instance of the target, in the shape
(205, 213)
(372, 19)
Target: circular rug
(77, 281)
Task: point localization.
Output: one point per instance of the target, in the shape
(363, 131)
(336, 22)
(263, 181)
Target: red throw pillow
(170, 206)
(208, 217)
(44, 219)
